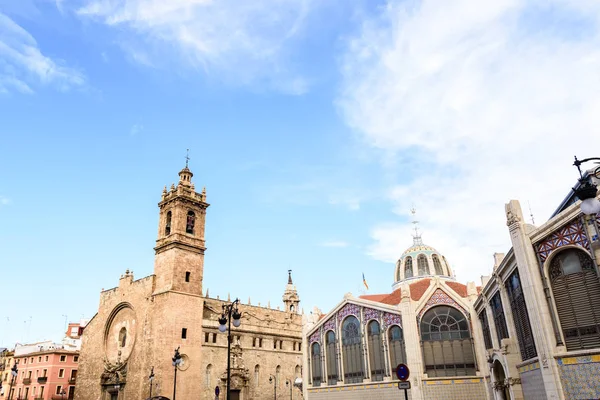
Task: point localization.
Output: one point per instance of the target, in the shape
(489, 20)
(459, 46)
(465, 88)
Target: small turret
(290, 296)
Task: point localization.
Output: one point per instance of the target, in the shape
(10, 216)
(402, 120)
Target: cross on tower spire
(187, 157)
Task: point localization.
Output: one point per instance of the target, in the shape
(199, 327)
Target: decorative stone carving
(514, 214)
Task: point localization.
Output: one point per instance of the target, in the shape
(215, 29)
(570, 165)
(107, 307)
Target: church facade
(140, 323)
(426, 322)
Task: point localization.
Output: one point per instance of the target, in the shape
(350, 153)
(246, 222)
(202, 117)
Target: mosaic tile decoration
(369, 314)
(315, 337)
(572, 234)
(391, 319)
(437, 298)
(349, 309)
(330, 324)
(579, 376)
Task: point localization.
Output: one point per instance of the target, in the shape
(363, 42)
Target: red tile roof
(459, 288)
(417, 289)
(391, 299)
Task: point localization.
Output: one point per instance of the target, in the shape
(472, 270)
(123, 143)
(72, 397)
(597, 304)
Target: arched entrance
(501, 387)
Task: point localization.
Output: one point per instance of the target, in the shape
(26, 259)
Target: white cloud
(22, 64)
(334, 243)
(481, 103)
(239, 41)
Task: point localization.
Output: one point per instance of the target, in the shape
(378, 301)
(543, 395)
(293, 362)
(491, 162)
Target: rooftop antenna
(187, 157)
(531, 213)
(417, 236)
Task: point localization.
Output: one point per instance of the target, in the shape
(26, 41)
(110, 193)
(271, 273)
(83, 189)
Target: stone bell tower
(291, 300)
(179, 259)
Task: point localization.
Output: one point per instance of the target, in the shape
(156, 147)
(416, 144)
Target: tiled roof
(459, 288)
(391, 299)
(417, 289)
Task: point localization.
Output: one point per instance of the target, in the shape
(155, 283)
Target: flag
(365, 281)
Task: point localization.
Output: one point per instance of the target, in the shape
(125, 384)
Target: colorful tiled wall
(368, 391)
(580, 377)
(532, 382)
(454, 389)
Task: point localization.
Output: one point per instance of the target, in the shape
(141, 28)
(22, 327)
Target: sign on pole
(402, 372)
(404, 385)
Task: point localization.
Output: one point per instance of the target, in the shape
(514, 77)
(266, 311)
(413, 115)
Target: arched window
(423, 265)
(331, 358)
(315, 361)
(208, 372)
(437, 265)
(277, 374)
(292, 308)
(123, 337)
(191, 221)
(168, 224)
(376, 356)
(446, 341)
(256, 375)
(520, 316)
(576, 292)
(397, 346)
(298, 371)
(408, 268)
(352, 351)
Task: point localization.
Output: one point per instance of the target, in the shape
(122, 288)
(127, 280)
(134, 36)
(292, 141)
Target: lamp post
(13, 371)
(176, 361)
(289, 383)
(273, 380)
(229, 311)
(587, 191)
(151, 379)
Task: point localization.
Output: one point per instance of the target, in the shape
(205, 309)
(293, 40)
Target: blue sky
(315, 128)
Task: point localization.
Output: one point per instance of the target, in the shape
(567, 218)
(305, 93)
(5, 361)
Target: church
(127, 347)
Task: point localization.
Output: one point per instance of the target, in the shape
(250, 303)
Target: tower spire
(417, 240)
(187, 157)
(289, 277)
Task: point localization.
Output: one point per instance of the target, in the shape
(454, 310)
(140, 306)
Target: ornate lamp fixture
(587, 191)
(230, 311)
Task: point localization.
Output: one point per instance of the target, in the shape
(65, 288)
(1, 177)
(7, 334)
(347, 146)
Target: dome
(419, 261)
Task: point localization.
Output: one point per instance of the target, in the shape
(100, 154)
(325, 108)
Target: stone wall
(580, 377)
(367, 391)
(532, 382)
(454, 389)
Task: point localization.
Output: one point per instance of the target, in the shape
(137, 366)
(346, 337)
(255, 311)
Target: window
(29, 374)
(64, 358)
(352, 350)
(61, 373)
(260, 342)
(187, 276)
(44, 373)
(40, 359)
(26, 392)
(168, 224)
(122, 337)
(75, 358)
(315, 362)
(214, 338)
(437, 265)
(46, 358)
(277, 375)
(58, 389)
(576, 292)
(521, 317)
(274, 344)
(376, 355)
(408, 268)
(294, 345)
(256, 374)
(41, 391)
(280, 344)
(253, 342)
(206, 334)
(184, 333)
(446, 343)
(423, 265)
(397, 347)
(485, 327)
(499, 320)
(331, 357)
(208, 373)
(191, 221)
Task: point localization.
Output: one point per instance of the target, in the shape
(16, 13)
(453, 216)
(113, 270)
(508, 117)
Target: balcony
(26, 381)
(42, 379)
(72, 380)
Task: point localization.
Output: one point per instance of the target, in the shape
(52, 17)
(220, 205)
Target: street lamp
(151, 379)
(228, 313)
(176, 361)
(587, 191)
(13, 371)
(273, 380)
